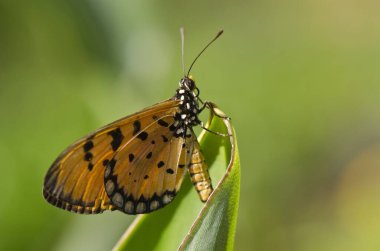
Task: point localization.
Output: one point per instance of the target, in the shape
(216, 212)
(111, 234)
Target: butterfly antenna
(200, 53)
(182, 31)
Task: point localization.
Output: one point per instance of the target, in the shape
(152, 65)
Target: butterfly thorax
(187, 116)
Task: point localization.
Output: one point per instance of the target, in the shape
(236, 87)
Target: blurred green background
(300, 80)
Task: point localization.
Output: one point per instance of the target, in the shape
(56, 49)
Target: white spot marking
(129, 207)
(110, 186)
(167, 199)
(154, 205)
(181, 91)
(107, 172)
(117, 199)
(141, 208)
(183, 116)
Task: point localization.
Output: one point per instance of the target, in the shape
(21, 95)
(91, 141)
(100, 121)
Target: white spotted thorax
(187, 116)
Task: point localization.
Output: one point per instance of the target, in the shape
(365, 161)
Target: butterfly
(136, 164)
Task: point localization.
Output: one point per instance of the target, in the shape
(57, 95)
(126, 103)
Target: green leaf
(186, 223)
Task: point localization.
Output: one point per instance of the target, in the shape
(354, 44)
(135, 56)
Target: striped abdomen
(199, 175)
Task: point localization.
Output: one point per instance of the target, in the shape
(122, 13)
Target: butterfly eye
(188, 83)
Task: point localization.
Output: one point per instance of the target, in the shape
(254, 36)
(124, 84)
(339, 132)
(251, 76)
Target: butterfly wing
(145, 174)
(75, 181)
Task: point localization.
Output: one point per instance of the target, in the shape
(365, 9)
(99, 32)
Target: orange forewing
(75, 181)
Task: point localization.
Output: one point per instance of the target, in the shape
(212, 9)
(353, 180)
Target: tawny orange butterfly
(135, 164)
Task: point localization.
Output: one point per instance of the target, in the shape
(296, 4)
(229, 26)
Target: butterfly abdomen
(199, 175)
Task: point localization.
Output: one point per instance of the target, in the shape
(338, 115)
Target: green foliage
(180, 224)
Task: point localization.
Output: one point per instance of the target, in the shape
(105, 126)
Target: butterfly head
(187, 83)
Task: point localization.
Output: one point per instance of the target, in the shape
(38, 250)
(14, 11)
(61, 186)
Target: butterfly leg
(215, 111)
(216, 133)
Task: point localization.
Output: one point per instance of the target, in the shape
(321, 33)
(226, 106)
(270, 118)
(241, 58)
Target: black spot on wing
(143, 135)
(105, 162)
(88, 146)
(117, 138)
(131, 157)
(160, 164)
(165, 139)
(149, 155)
(90, 166)
(136, 127)
(163, 123)
(170, 171)
(88, 156)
